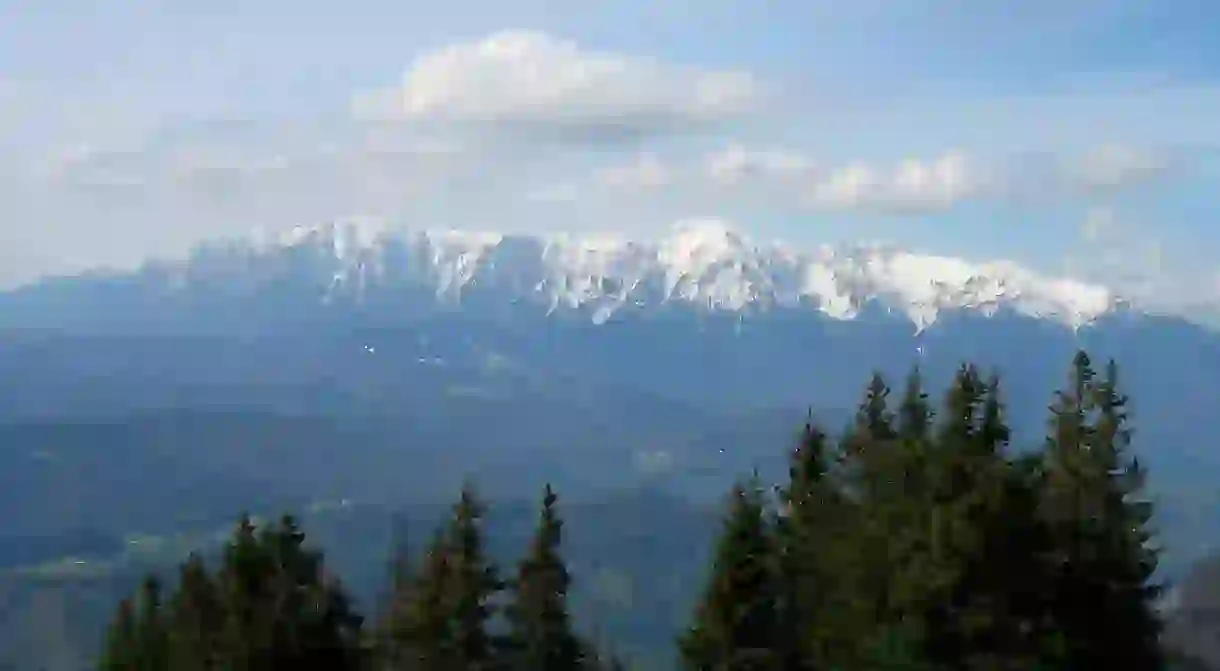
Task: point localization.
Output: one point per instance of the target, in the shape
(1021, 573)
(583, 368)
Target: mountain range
(366, 363)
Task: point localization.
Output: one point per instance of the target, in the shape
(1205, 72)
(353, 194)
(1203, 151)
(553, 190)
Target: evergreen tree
(152, 627)
(735, 624)
(980, 609)
(271, 606)
(1098, 518)
(540, 631)
(874, 421)
(810, 556)
(138, 637)
(392, 631)
(882, 476)
(197, 616)
(121, 651)
(473, 585)
(915, 416)
(422, 631)
(244, 583)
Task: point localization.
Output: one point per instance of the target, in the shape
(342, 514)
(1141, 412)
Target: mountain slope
(702, 264)
(352, 319)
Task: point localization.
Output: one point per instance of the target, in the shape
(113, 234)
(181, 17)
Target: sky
(1076, 137)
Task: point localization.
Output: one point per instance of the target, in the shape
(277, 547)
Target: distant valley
(383, 368)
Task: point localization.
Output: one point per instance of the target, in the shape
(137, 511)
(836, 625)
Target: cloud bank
(533, 83)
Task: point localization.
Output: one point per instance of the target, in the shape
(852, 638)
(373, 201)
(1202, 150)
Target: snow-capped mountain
(558, 339)
(703, 264)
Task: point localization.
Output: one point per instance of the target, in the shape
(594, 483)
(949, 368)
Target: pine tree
(735, 623)
(138, 639)
(540, 631)
(473, 584)
(810, 555)
(244, 585)
(392, 631)
(980, 612)
(197, 616)
(152, 628)
(874, 421)
(1098, 519)
(883, 477)
(271, 606)
(422, 631)
(121, 651)
(915, 416)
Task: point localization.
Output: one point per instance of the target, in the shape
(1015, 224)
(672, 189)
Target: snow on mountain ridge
(706, 263)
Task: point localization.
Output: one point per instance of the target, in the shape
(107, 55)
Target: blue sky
(1071, 136)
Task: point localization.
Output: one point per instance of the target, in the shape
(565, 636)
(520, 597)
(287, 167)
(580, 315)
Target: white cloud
(736, 164)
(1114, 166)
(534, 82)
(914, 185)
(645, 172)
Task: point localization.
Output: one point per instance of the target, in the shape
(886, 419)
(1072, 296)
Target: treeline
(919, 539)
(271, 604)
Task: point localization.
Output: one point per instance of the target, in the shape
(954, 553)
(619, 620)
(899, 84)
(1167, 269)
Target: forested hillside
(916, 538)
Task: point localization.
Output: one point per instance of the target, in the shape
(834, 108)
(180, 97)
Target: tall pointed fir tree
(540, 636)
(121, 650)
(473, 585)
(152, 627)
(197, 615)
(392, 629)
(270, 607)
(879, 479)
(244, 585)
(811, 556)
(422, 632)
(1099, 520)
(979, 609)
(735, 622)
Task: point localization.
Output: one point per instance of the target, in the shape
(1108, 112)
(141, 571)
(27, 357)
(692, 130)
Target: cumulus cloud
(914, 185)
(533, 82)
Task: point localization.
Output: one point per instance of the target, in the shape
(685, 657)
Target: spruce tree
(392, 630)
(197, 616)
(121, 651)
(270, 607)
(473, 585)
(735, 622)
(152, 627)
(540, 630)
(810, 555)
(422, 630)
(1098, 517)
(882, 477)
(244, 584)
(979, 609)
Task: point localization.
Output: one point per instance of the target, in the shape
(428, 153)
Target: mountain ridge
(705, 264)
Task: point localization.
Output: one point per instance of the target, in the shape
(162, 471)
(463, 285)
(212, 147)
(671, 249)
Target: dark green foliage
(809, 560)
(930, 545)
(269, 606)
(1099, 518)
(540, 629)
(421, 630)
(122, 647)
(736, 621)
(919, 541)
(472, 585)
